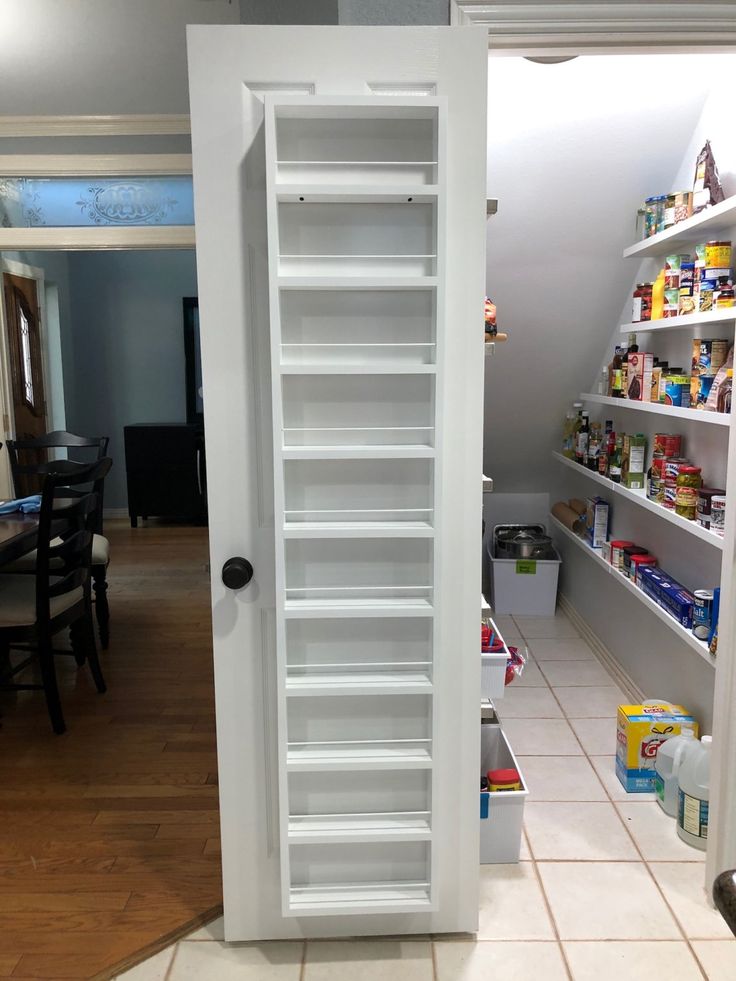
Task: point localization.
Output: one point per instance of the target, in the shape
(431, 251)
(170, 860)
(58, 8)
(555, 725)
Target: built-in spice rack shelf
(699, 646)
(354, 196)
(718, 218)
(659, 408)
(640, 498)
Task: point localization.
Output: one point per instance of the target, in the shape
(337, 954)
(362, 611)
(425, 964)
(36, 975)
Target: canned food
(702, 613)
(718, 514)
(629, 552)
(638, 562)
(705, 495)
(667, 445)
(655, 487)
(718, 254)
(617, 553)
(673, 466)
(670, 495)
(677, 391)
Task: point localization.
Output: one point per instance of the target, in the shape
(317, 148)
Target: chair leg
(102, 610)
(78, 641)
(50, 687)
(91, 647)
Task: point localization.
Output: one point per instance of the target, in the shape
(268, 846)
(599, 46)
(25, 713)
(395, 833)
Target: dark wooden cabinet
(165, 467)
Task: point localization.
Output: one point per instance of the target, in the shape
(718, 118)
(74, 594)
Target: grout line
(550, 913)
(433, 949)
(169, 969)
(303, 966)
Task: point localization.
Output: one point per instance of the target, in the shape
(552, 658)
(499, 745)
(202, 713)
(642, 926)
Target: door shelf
(311, 193)
(640, 497)
(304, 609)
(701, 227)
(371, 266)
(672, 411)
(381, 680)
(383, 282)
(405, 451)
(358, 529)
(388, 368)
(342, 828)
(380, 754)
(686, 322)
(683, 633)
(378, 356)
(394, 897)
(343, 436)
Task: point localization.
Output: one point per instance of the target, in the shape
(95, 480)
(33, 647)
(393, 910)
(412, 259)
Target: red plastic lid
(646, 559)
(503, 776)
(691, 469)
(621, 544)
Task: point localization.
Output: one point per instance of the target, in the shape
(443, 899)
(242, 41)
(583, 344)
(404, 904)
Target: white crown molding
(92, 164)
(549, 27)
(107, 237)
(141, 125)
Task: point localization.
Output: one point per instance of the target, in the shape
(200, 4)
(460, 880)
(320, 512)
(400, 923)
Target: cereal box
(641, 730)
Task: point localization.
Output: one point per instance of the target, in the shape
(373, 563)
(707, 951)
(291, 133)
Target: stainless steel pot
(522, 542)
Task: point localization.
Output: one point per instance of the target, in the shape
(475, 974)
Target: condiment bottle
(581, 448)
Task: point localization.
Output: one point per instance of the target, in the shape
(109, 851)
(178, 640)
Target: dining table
(19, 532)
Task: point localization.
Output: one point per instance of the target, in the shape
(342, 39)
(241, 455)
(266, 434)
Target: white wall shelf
(659, 408)
(699, 646)
(640, 497)
(690, 321)
(356, 193)
(701, 227)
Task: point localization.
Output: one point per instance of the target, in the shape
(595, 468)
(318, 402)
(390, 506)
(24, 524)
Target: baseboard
(622, 678)
(115, 512)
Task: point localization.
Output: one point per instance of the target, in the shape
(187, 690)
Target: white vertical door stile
(339, 184)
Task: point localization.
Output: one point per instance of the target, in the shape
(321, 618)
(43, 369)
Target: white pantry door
(232, 72)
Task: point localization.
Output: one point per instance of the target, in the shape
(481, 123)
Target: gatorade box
(641, 730)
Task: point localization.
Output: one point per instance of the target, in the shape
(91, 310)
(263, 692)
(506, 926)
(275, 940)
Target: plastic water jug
(670, 757)
(694, 794)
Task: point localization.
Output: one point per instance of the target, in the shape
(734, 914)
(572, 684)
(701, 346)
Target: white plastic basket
(500, 828)
(493, 668)
(527, 587)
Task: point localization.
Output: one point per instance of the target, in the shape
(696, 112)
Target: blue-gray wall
(126, 337)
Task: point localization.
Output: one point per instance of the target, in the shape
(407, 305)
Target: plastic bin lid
(504, 776)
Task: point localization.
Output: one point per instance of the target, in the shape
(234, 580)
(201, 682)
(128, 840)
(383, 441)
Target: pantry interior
(572, 155)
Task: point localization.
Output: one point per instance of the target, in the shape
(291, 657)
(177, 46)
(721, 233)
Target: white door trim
(154, 124)
(94, 164)
(104, 237)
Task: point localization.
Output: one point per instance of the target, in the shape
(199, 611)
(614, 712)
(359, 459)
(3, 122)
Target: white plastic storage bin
(501, 813)
(525, 586)
(493, 668)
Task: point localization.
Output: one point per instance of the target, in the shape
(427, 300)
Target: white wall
(99, 56)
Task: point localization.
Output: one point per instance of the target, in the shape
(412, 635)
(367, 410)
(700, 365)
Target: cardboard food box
(641, 730)
(639, 376)
(632, 465)
(596, 521)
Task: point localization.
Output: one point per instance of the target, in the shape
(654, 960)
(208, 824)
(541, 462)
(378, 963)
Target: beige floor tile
(605, 767)
(528, 703)
(561, 649)
(683, 884)
(560, 831)
(152, 969)
(590, 703)
(718, 958)
(468, 961)
(574, 674)
(507, 626)
(511, 904)
(531, 677)
(368, 960)
(211, 931)
(598, 736)
(606, 901)
(560, 778)
(524, 853)
(277, 961)
(655, 833)
(541, 737)
(557, 626)
(632, 960)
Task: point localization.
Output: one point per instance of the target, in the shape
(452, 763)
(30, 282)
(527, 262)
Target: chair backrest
(27, 455)
(61, 568)
(24, 470)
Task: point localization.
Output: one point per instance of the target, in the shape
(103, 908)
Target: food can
(671, 302)
(718, 254)
(702, 612)
(686, 502)
(705, 495)
(617, 553)
(637, 562)
(677, 391)
(650, 216)
(670, 495)
(655, 487)
(629, 552)
(673, 466)
(718, 514)
(667, 445)
(706, 293)
(726, 298)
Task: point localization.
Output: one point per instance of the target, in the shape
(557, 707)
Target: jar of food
(641, 308)
(669, 210)
(629, 552)
(650, 217)
(726, 298)
(617, 553)
(705, 496)
(660, 203)
(718, 254)
(637, 563)
(689, 481)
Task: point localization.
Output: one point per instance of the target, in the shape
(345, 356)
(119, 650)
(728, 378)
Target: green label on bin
(526, 567)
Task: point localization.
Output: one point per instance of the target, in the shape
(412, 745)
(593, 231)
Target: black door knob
(237, 572)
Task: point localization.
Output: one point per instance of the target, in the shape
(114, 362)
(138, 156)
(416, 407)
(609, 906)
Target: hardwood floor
(109, 838)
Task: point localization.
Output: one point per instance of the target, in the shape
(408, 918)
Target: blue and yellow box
(641, 730)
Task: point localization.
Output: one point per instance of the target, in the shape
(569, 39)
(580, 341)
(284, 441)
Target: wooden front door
(25, 354)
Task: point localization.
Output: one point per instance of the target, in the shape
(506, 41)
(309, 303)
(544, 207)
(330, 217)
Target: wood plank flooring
(109, 837)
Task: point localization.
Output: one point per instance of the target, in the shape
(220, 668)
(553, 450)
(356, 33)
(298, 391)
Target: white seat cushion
(27, 562)
(18, 601)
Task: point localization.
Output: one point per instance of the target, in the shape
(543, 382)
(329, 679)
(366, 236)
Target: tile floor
(604, 890)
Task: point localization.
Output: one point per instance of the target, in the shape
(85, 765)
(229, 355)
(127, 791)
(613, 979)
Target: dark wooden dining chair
(27, 463)
(33, 609)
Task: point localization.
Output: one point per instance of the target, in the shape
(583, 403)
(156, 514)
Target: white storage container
(493, 668)
(525, 586)
(501, 813)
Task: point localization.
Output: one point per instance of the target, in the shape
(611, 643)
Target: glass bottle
(581, 448)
